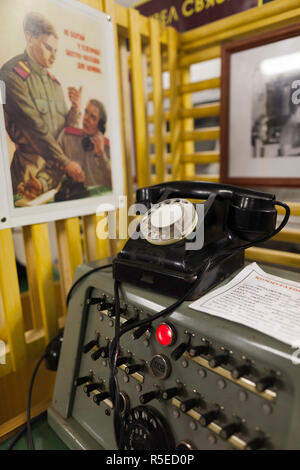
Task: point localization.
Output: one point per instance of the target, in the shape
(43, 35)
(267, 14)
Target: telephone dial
(178, 241)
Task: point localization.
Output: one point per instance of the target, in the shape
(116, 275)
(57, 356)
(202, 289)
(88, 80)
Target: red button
(165, 334)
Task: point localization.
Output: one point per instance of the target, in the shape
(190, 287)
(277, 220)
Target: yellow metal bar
(139, 102)
(175, 104)
(144, 26)
(89, 230)
(294, 207)
(212, 83)
(288, 235)
(210, 178)
(209, 133)
(188, 123)
(3, 331)
(203, 158)
(32, 276)
(45, 285)
(263, 25)
(110, 8)
(70, 253)
(155, 52)
(74, 243)
(126, 116)
(192, 87)
(11, 299)
(274, 256)
(64, 261)
(196, 57)
(205, 110)
(250, 16)
(102, 241)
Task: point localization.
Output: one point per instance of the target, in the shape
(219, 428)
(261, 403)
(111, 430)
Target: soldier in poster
(35, 110)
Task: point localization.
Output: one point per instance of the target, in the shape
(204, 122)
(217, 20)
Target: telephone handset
(178, 242)
(87, 143)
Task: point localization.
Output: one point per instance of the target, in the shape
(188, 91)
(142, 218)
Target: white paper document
(259, 300)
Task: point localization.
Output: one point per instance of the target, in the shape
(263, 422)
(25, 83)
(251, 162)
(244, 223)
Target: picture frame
(260, 110)
(58, 72)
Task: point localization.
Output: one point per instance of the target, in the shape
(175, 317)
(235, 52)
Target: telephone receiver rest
(251, 214)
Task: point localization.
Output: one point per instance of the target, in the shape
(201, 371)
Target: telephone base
(176, 284)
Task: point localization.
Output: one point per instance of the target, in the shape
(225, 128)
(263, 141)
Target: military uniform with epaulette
(97, 169)
(35, 114)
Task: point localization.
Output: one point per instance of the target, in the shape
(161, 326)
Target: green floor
(44, 438)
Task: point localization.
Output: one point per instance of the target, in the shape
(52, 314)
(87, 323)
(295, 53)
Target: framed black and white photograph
(260, 118)
(60, 137)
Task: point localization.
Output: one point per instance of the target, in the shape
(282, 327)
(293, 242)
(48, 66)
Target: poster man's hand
(32, 188)
(75, 97)
(74, 170)
(98, 141)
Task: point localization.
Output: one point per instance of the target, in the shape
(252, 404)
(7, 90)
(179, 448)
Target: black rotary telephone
(87, 143)
(178, 242)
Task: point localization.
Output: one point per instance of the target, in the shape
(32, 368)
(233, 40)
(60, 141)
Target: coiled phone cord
(119, 332)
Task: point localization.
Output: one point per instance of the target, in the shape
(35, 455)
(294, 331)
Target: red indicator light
(165, 335)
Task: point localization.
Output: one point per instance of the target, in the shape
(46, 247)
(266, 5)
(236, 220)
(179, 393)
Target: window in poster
(60, 132)
(260, 121)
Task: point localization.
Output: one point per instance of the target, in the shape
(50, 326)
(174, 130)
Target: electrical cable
(29, 431)
(22, 431)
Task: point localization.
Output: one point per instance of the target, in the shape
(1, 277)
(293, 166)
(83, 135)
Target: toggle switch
(256, 443)
(187, 405)
(112, 311)
(265, 382)
(171, 393)
(87, 347)
(96, 300)
(230, 429)
(88, 388)
(104, 306)
(209, 416)
(100, 397)
(177, 352)
(240, 371)
(146, 397)
(134, 368)
(130, 321)
(81, 380)
(195, 351)
(104, 351)
(96, 354)
(123, 360)
(218, 360)
(140, 331)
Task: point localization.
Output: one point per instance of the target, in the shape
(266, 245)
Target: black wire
(83, 277)
(22, 431)
(29, 431)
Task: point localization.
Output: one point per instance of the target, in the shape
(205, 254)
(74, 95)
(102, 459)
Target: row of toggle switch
(205, 419)
(221, 360)
(90, 387)
(228, 432)
(218, 360)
